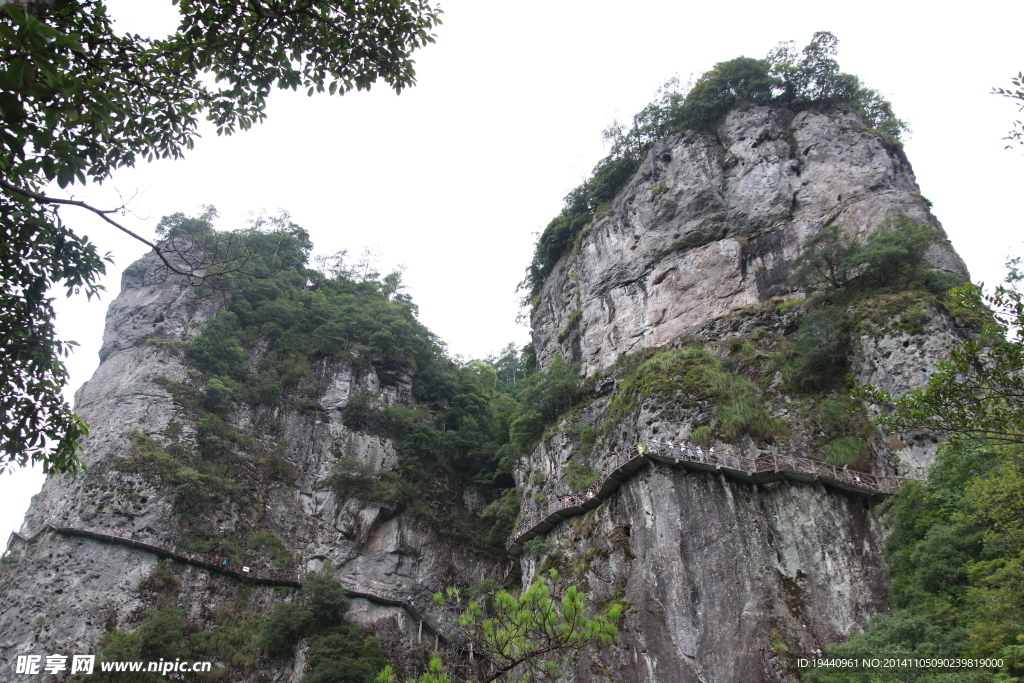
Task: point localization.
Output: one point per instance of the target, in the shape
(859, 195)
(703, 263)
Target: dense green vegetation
(841, 273)
(239, 634)
(810, 79)
(338, 652)
(956, 561)
(303, 315)
(689, 375)
(890, 256)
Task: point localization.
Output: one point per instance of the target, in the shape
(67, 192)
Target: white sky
(455, 176)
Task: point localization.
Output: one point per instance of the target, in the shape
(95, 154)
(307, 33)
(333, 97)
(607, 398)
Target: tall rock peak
(712, 222)
(86, 557)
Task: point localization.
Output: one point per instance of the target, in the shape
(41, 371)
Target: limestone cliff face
(711, 223)
(724, 581)
(728, 582)
(62, 593)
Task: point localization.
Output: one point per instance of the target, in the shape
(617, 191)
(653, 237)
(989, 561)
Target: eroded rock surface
(711, 223)
(61, 594)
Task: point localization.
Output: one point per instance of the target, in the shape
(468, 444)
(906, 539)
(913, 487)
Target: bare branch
(224, 249)
(43, 199)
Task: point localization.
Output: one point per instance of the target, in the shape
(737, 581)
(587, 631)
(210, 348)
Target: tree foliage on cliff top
(809, 79)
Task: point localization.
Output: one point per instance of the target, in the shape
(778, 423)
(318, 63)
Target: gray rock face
(725, 582)
(899, 355)
(61, 593)
(709, 225)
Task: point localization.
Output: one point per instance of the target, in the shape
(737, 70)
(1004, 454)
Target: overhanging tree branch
(217, 254)
(102, 213)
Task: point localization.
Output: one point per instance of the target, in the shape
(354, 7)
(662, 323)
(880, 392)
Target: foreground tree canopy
(535, 636)
(1017, 132)
(79, 100)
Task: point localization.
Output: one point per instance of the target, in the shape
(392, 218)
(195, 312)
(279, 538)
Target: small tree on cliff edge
(978, 391)
(78, 100)
(526, 638)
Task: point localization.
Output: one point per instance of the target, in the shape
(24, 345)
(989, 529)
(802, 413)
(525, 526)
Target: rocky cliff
(712, 223)
(61, 593)
(691, 263)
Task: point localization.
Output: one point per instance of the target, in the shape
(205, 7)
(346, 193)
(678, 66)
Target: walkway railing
(760, 470)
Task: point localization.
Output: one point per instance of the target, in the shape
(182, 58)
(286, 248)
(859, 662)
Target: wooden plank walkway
(754, 471)
(267, 578)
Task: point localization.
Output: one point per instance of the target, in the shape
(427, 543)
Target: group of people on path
(577, 499)
(681, 450)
